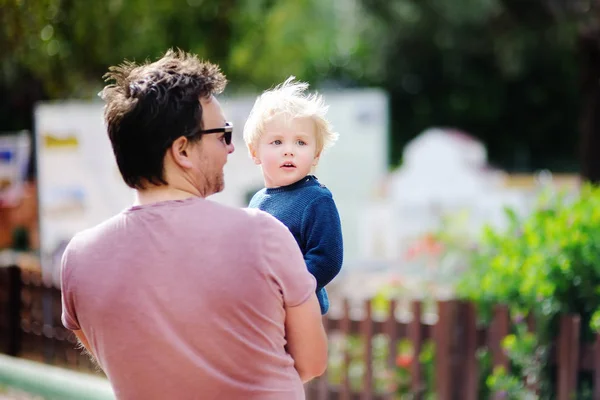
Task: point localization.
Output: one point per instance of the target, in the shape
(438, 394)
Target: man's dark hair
(148, 106)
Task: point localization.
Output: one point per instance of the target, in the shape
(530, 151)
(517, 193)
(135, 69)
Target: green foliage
(388, 378)
(306, 38)
(506, 386)
(68, 45)
(353, 347)
(427, 360)
(527, 356)
(547, 263)
(490, 67)
(544, 265)
(403, 365)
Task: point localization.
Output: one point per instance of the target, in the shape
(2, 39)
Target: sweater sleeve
(322, 237)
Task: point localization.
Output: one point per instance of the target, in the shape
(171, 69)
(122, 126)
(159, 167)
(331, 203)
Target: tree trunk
(589, 47)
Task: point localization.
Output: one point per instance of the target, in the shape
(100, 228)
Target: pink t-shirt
(186, 300)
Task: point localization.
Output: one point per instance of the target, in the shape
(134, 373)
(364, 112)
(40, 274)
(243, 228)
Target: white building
(444, 172)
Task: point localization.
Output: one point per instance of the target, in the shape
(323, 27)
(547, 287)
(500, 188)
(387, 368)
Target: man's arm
(306, 338)
(84, 343)
(304, 331)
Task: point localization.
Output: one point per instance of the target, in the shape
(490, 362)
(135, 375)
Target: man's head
(284, 126)
(157, 115)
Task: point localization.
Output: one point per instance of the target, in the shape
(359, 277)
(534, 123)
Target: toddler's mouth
(288, 165)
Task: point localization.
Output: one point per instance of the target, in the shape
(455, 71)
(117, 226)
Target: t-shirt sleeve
(69, 316)
(284, 262)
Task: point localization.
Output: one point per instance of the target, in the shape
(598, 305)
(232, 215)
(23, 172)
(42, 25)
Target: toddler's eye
(276, 142)
(301, 142)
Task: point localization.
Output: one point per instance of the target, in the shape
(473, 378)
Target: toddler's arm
(322, 236)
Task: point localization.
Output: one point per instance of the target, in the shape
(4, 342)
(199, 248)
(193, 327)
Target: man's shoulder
(238, 214)
(247, 218)
(218, 215)
(262, 219)
(87, 237)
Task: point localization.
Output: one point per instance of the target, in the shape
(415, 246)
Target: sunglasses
(227, 130)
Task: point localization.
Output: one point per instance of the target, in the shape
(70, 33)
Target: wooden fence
(457, 340)
(30, 327)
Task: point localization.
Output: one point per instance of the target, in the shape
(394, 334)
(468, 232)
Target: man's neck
(156, 194)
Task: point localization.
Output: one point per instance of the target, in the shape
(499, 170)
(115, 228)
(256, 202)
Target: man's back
(185, 299)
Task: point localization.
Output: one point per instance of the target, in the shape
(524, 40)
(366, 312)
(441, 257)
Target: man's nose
(230, 148)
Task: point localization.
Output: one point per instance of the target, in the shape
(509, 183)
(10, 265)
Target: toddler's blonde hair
(290, 99)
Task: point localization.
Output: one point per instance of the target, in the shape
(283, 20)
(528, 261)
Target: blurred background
(465, 173)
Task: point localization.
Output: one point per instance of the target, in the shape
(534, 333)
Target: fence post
(322, 385)
(471, 368)
(415, 334)
(462, 346)
(531, 327)
(391, 330)
(13, 310)
(499, 330)
(367, 336)
(345, 331)
(442, 334)
(568, 356)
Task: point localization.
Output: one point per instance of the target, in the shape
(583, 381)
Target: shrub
(545, 264)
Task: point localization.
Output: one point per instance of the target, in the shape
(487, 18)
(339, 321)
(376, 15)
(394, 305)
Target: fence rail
(30, 327)
(457, 339)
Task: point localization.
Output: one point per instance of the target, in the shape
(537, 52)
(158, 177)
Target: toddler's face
(287, 150)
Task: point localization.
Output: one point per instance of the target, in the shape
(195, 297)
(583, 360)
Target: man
(179, 297)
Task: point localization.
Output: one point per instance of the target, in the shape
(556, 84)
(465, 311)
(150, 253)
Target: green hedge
(545, 264)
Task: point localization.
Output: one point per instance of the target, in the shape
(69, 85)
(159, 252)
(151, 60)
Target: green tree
(505, 71)
(510, 72)
(61, 48)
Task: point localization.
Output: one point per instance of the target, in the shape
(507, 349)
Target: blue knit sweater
(308, 210)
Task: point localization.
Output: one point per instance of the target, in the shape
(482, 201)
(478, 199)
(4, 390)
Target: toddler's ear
(316, 160)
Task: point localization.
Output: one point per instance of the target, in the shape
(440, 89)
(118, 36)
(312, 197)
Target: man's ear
(180, 151)
(254, 154)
